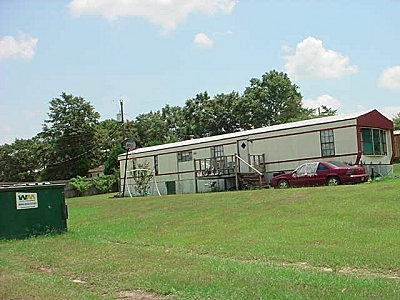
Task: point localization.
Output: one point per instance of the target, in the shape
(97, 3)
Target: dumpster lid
(30, 185)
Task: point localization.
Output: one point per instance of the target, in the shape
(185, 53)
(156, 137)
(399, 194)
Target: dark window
(373, 141)
(184, 156)
(156, 165)
(322, 167)
(327, 143)
(217, 151)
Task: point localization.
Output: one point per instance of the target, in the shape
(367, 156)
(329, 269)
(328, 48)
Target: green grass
(311, 243)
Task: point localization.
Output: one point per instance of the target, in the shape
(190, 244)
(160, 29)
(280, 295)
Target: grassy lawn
(311, 243)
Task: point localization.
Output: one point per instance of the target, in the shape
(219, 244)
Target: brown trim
(165, 174)
(393, 147)
(175, 173)
(359, 145)
(325, 158)
(191, 149)
(300, 133)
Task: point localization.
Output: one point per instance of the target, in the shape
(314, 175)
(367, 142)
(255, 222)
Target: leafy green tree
(271, 100)
(225, 119)
(206, 116)
(324, 111)
(18, 161)
(174, 118)
(112, 164)
(150, 129)
(71, 138)
(196, 114)
(396, 121)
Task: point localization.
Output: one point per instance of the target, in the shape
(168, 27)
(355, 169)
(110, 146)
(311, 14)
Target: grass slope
(311, 243)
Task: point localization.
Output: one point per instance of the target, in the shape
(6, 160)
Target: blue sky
(344, 54)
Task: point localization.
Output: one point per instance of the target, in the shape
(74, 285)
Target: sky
(150, 53)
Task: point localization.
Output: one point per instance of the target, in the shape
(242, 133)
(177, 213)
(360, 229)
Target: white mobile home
(236, 160)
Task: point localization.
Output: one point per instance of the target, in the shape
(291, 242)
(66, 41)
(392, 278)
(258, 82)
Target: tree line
(73, 139)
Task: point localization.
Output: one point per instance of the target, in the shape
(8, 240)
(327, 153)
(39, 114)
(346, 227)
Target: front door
(243, 153)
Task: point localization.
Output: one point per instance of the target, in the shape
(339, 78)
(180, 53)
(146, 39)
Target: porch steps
(251, 181)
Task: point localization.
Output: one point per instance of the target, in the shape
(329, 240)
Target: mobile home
(253, 157)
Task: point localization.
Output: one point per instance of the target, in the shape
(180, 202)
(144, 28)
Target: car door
(311, 174)
(299, 176)
(322, 174)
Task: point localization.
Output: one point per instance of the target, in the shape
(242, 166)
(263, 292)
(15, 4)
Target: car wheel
(282, 184)
(332, 181)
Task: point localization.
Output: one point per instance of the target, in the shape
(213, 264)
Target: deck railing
(215, 166)
(227, 165)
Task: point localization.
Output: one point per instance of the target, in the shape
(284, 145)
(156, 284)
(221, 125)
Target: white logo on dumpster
(26, 200)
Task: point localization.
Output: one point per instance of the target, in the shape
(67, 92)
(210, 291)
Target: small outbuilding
(253, 157)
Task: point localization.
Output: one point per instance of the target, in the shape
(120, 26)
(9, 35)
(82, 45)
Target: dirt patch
(138, 295)
(391, 274)
(43, 269)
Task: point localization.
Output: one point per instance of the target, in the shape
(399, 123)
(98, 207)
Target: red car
(320, 173)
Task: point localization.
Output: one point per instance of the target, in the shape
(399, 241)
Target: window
(373, 141)
(217, 151)
(322, 167)
(184, 156)
(327, 143)
(155, 164)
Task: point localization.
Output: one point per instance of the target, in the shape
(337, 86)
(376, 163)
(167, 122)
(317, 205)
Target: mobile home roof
(238, 134)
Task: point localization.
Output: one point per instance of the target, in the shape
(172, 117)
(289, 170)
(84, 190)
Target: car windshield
(337, 164)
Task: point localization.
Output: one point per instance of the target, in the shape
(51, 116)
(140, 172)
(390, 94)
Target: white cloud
(203, 41)
(23, 47)
(166, 13)
(326, 100)
(390, 78)
(313, 60)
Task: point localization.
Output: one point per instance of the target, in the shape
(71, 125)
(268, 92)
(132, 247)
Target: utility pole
(121, 102)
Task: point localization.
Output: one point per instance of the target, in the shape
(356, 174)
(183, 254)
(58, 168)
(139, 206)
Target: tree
(175, 123)
(70, 137)
(396, 121)
(271, 100)
(19, 162)
(325, 111)
(226, 119)
(112, 164)
(196, 114)
(150, 129)
(206, 116)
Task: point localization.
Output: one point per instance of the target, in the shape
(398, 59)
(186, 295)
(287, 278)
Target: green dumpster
(32, 209)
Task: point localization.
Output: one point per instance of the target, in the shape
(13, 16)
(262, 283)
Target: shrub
(104, 183)
(81, 184)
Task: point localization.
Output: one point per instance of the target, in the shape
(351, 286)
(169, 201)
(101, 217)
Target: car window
(322, 167)
(307, 169)
(301, 170)
(311, 168)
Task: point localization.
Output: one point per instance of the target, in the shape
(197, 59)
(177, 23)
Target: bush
(104, 183)
(81, 184)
